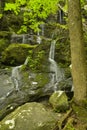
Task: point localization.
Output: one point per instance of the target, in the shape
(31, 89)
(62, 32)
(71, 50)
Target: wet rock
(66, 84)
(5, 82)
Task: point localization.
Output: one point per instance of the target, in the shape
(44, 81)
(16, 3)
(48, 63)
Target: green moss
(62, 55)
(37, 61)
(59, 101)
(42, 79)
(16, 53)
(22, 45)
(30, 116)
(69, 126)
(23, 68)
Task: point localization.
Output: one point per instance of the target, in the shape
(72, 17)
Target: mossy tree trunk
(79, 72)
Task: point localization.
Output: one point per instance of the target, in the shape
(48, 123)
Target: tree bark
(79, 72)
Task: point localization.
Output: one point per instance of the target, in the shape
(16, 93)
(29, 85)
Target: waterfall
(42, 29)
(26, 61)
(53, 65)
(61, 16)
(38, 38)
(52, 50)
(16, 77)
(40, 33)
(56, 73)
(23, 38)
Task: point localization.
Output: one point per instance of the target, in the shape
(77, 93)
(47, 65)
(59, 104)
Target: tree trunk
(79, 72)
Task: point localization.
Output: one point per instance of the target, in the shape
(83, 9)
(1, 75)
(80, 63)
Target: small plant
(35, 64)
(70, 127)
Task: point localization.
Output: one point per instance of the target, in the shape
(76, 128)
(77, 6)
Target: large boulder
(30, 116)
(32, 86)
(5, 82)
(59, 101)
(16, 54)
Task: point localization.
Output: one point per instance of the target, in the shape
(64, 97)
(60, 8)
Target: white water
(26, 61)
(16, 77)
(60, 16)
(24, 38)
(38, 38)
(57, 74)
(42, 29)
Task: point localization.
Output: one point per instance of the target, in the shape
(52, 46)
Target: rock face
(59, 101)
(5, 82)
(30, 116)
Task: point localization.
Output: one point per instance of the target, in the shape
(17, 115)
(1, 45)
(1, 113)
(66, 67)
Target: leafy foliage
(34, 12)
(36, 63)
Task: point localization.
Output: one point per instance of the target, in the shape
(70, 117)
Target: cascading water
(56, 73)
(61, 16)
(38, 38)
(16, 77)
(42, 29)
(24, 38)
(40, 33)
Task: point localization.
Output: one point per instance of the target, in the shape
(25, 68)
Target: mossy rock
(30, 116)
(42, 79)
(38, 58)
(16, 54)
(35, 84)
(59, 101)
